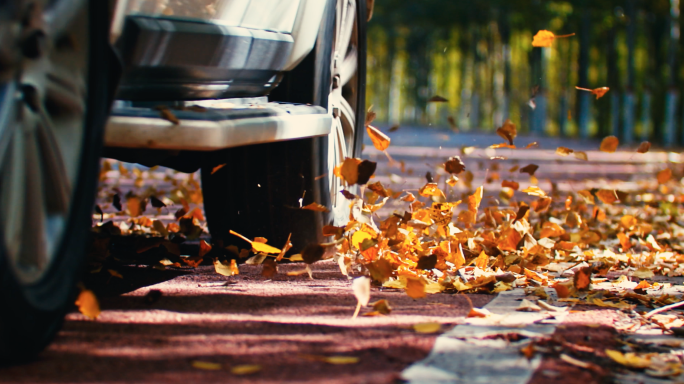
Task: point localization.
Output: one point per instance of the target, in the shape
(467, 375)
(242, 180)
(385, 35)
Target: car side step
(213, 125)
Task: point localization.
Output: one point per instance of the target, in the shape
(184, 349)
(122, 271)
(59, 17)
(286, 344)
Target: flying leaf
(563, 151)
(452, 124)
(607, 196)
(599, 92)
(609, 144)
(361, 288)
(166, 114)
(116, 202)
(514, 185)
(664, 176)
(415, 287)
(534, 191)
(545, 38)
(529, 169)
(217, 168)
(437, 99)
(644, 147)
(269, 268)
(315, 207)
(257, 247)
(454, 165)
(226, 268)
(508, 131)
(580, 155)
(394, 128)
(379, 139)
(87, 304)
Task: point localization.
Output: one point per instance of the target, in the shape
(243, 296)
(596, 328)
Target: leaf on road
(87, 304)
(227, 268)
(246, 369)
(206, 365)
(427, 328)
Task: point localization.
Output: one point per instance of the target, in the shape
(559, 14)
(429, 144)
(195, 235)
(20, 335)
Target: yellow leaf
(563, 151)
(206, 365)
(427, 327)
(643, 273)
(87, 304)
(246, 369)
(336, 360)
(224, 269)
(350, 170)
(630, 359)
(379, 139)
(609, 144)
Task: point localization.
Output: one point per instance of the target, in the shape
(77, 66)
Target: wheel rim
(42, 111)
(343, 99)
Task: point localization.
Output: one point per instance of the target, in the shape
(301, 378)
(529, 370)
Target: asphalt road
(288, 324)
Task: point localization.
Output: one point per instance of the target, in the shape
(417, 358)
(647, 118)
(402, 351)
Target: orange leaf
(510, 184)
(415, 287)
(609, 144)
(582, 278)
(550, 229)
(217, 168)
(315, 207)
(563, 151)
(625, 243)
(664, 176)
(379, 139)
(475, 199)
(482, 260)
(508, 131)
(599, 92)
(87, 304)
(607, 196)
(545, 38)
(644, 147)
(204, 248)
(534, 191)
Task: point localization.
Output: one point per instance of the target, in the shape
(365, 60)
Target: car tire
(35, 297)
(261, 188)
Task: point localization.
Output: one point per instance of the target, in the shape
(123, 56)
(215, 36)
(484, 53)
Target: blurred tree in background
(478, 54)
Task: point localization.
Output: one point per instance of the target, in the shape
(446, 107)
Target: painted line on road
(469, 354)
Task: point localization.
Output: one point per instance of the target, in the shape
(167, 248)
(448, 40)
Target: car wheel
(53, 104)
(260, 189)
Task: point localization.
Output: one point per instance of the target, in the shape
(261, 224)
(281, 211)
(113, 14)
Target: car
(273, 89)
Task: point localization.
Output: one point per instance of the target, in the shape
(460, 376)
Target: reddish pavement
(251, 320)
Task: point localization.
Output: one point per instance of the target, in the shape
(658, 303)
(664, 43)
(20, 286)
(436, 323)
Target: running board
(213, 125)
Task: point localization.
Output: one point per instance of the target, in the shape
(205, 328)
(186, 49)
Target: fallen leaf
(427, 328)
(379, 139)
(629, 359)
(582, 278)
(245, 369)
(575, 362)
(87, 304)
(609, 144)
(528, 306)
(206, 365)
(581, 155)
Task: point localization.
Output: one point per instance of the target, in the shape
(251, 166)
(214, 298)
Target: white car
(274, 89)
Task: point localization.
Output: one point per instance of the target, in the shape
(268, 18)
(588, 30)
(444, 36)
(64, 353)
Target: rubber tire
(32, 315)
(257, 193)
